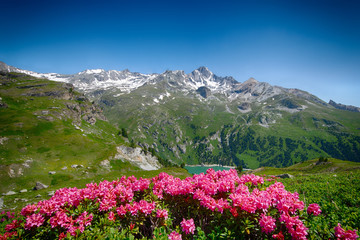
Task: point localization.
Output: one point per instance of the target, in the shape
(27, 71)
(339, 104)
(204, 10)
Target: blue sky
(310, 45)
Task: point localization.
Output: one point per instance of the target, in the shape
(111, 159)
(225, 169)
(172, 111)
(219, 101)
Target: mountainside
(203, 118)
(51, 133)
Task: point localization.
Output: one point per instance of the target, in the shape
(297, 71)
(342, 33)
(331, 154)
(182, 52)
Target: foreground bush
(215, 205)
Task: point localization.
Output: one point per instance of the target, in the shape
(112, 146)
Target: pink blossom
(72, 229)
(278, 236)
(111, 216)
(48, 207)
(146, 207)
(34, 220)
(108, 202)
(121, 211)
(341, 234)
(234, 212)
(29, 209)
(314, 209)
(60, 219)
(188, 226)
(267, 223)
(62, 235)
(174, 236)
(8, 235)
(10, 215)
(295, 226)
(162, 213)
(85, 219)
(133, 209)
(13, 225)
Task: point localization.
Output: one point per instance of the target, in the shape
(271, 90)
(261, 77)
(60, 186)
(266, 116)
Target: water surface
(202, 169)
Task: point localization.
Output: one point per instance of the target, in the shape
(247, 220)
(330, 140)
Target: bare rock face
(40, 186)
(15, 170)
(344, 107)
(244, 106)
(204, 92)
(105, 164)
(285, 175)
(9, 193)
(136, 156)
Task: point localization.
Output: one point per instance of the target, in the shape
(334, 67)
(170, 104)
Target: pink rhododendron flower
(29, 209)
(162, 213)
(111, 216)
(279, 236)
(60, 219)
(13, 225)
(133, 209)
(8, 235)
(62, 235)
(85, 219)
(295, 226)
(10, 215)
(174, 236)
(314, 209)
(188, 226)
(146, 207)
(341, 234)
(267, 223)
(34, 220)
(234, 212)
(121, 211)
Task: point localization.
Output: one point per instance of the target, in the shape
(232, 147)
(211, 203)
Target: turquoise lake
(202, 169)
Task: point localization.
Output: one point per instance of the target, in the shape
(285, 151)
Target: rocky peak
(204, 71)
(344, 107)
(200, 75)
(6, 68)
(251, 80)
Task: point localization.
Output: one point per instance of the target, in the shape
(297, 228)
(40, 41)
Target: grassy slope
(67, 179)
(332, 166)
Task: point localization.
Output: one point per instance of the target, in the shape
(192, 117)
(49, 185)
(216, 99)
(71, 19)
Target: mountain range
(202, 118)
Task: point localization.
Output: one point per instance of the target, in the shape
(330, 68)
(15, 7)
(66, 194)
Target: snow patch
(92, 71)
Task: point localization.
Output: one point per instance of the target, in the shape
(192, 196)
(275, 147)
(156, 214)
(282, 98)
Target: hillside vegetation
(215, 205)
(333, 184)
(188, 128)
(52, 134)
(202, 118)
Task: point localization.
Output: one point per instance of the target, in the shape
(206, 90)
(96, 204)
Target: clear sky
(311, 45)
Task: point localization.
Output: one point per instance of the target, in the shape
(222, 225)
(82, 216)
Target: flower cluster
(314, 209)
(188, 226)
(256, 207)
(341, 234)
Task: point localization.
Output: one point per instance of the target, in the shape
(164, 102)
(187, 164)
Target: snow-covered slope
(93, 80)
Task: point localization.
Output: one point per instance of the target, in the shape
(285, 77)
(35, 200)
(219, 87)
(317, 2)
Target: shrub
(214, 205)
